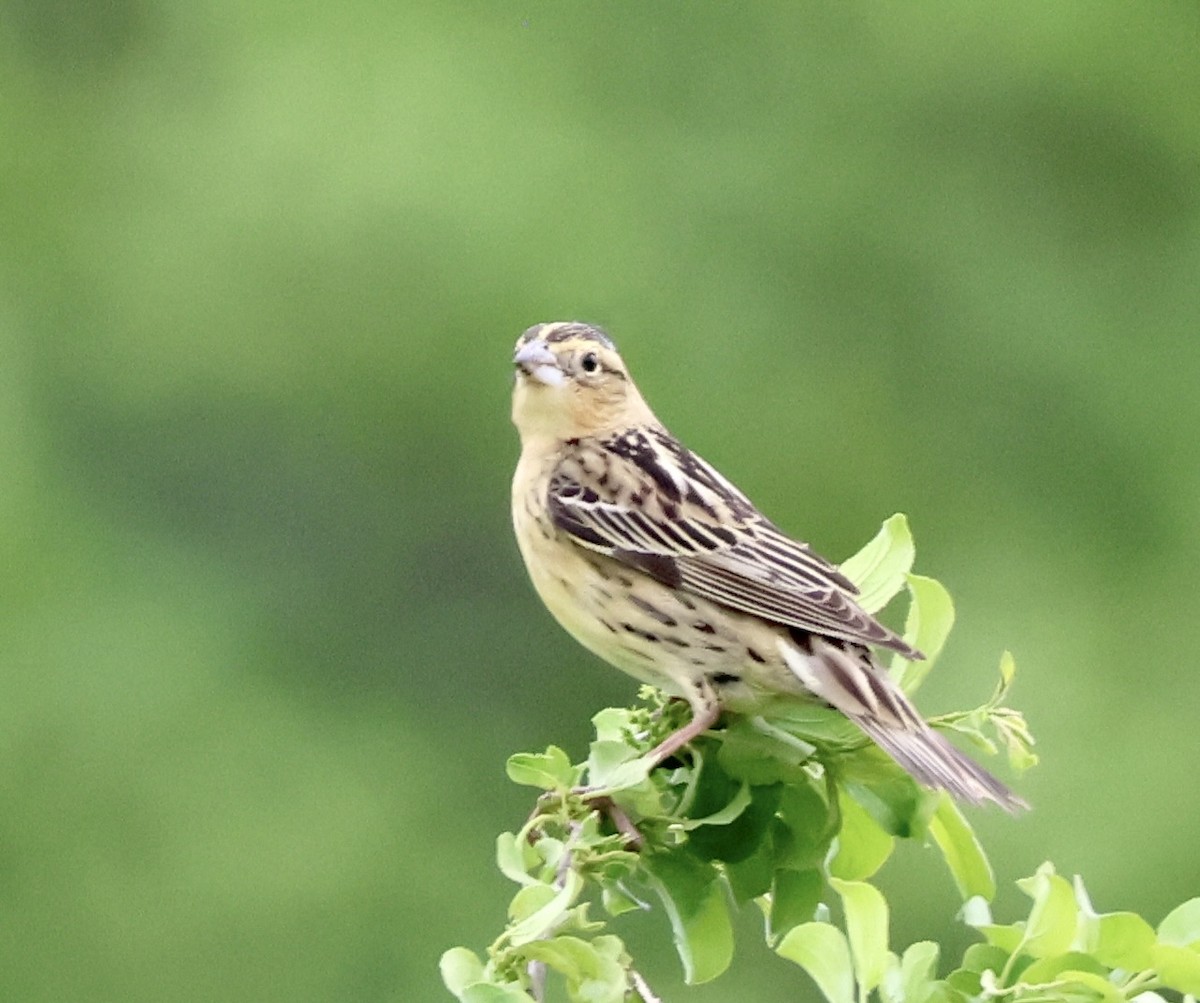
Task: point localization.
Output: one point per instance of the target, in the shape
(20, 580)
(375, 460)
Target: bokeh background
(265, 640)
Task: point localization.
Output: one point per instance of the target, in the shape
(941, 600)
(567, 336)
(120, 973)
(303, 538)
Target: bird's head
(571, 383)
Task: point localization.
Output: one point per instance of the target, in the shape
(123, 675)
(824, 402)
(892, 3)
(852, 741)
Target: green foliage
(793, 810)
(795, 813)
(266, 640)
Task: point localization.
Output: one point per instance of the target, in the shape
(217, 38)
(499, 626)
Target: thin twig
(641, 987)
(624, 825)
(537, 980)
(568, 857)
(537, 969)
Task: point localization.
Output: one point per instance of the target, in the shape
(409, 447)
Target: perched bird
(654, 561)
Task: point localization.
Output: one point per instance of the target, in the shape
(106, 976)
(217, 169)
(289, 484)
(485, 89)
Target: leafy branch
(794, 811)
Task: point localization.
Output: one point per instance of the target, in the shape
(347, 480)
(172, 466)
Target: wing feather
(702, 535)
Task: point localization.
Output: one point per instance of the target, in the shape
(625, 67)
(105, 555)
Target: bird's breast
(657, 634)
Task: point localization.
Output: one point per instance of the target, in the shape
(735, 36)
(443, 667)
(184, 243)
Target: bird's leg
(616, 815)
(705, 712)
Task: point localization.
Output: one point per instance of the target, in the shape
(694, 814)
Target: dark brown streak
(846, 681)
(634, 447)
(659, 567)
(584, 332)
(645, 635)
(803, 639)
(649, 608)
(678, 540)
(700, 533)
(566, 520)
(767, 551)
(654, 530)
(695, 498)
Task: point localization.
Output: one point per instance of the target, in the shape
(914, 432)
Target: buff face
(569, 378)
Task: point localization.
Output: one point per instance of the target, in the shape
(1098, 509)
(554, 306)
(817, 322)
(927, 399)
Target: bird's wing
(643, 499)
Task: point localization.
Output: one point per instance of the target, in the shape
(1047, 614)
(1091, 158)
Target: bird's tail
(845, 676)
(933, 761)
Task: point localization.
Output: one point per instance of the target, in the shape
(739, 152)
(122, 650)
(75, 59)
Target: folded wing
(646, 501)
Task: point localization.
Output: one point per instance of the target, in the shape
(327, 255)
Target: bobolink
(655, 562)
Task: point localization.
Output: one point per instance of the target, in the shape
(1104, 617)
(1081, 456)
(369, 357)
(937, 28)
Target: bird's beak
(535, 359)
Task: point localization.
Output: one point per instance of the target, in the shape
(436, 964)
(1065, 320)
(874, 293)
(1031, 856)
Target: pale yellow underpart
(694, 638)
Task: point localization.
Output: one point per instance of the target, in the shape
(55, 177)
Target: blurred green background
(266, 641)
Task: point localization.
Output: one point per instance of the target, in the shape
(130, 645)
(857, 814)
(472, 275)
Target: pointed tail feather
(934, 762)
(846, 677)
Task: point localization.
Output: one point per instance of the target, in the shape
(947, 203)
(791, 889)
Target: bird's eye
(589, 362)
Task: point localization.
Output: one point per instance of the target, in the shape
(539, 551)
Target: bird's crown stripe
(561, 331)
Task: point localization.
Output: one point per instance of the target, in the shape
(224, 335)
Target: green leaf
(930, 617)
(577, 921)
(550, 850)
(1006, 936)
(1181, 926)
(615, 766)
(460, 968)
(538, 913)
(862, 846)
(966, 981)
(722, 816)
(812, 725)
(694, 898)
(1010, 725)
(590, 973)
(1177, 967)
(515, 857)
(894, 799)
(918, 968)
(803, 829)
(980, 958)
(757, 753)
(879, 568)
(1048, 969)
(1050, 928)
(1075, 986)
(795, 895)
(867, 928)
(962, 851)
(822, 951)
(970, 726)
(891, 989)
(617, 901)
(530, 899)
(1122, 940)
(739, 828)
(1018, 743)
(752, 876)
(569, 956)
(940, 992)
(610, 946)
(613, 724)
(488, 992)
(1008, 672)
(550, 770)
